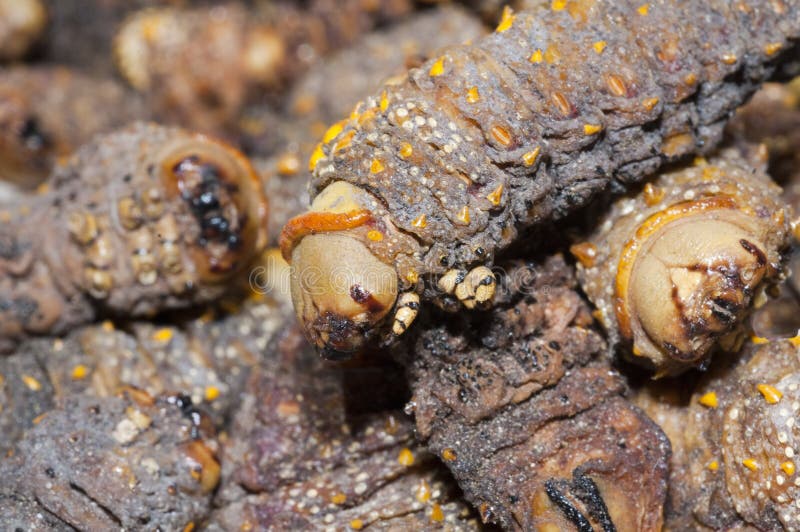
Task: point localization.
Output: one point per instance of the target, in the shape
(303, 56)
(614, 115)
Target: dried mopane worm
(427, 180)
(674, 269)
(46, 113)
(735, 444)
(21, 25)
(522, 405)
(138, 221)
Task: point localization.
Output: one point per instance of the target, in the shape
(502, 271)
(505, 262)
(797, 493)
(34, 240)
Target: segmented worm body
(139, 221)
(521, 404)
(735, 442)
(674, 269)
(522, 126)
(322, 95)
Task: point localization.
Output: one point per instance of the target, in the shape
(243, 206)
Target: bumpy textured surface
(199, 65)
(531, 122)
(101, 464)
(140, 221)
(734, 442)
(704, 240)
(206, 359)
(323, 95)
(314, 447)
(524, 410)
(46, 113)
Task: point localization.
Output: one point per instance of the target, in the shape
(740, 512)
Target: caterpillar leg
(406, 313)
(472, 288)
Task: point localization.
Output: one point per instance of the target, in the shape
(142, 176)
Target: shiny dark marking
(754, 250)
(725, 310)
(211, 199)
(587, 491)
(567, 507)
(189, 411)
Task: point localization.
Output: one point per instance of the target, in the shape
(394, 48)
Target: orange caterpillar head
(688, 277)
(340, 289)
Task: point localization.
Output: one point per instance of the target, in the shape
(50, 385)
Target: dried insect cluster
(415, 194)
(201, 65)
(139, 221)
(674, 269)
(428, 179)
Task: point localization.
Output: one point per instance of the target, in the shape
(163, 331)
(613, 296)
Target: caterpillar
(46, 113)
(200, 65)
(734, 440)
(521, 403)
(139, 221)
(416, 192)
(22, 23)
(705, 242)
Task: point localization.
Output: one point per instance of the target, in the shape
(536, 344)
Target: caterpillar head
(223, 203)
(688, 278)
(340, 289)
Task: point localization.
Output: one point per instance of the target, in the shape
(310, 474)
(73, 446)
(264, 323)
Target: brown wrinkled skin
(144, 220)
(525, 411)
(313, 446)
(46, 113)
(200, 65)
(102, 464)
(710, 485)
(713, 285)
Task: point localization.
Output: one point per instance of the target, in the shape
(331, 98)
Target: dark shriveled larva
(674, 269)
(139, 221)
(430, 178)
